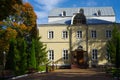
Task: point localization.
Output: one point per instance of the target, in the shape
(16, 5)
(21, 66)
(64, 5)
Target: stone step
(73, 66)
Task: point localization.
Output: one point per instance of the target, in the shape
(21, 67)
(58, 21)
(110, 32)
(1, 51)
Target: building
(78, 36)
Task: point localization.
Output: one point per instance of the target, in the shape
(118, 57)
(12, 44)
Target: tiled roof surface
(88, 11)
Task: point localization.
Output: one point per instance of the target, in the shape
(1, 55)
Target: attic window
(64, 13)
(81, 11)
(60, 14)
(99, 13)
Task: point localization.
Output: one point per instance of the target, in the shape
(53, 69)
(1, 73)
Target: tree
(19, 37)
(11, 61)
(32, 57)
(22, 63)
(41, 53)
(113, 47)
(7, 8)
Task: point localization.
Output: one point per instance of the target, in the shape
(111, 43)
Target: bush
(42, 68)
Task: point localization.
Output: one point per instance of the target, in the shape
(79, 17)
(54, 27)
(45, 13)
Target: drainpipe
(70, 42)
(88, 55)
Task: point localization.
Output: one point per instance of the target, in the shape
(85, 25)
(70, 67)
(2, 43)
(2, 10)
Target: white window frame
(79, 34)
(51, 55)
(50, 34)
(64, 34)
(94, 54)
(65, 54)
(93, 33)
(108, 33)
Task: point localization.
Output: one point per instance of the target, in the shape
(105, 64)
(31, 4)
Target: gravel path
(70, 74)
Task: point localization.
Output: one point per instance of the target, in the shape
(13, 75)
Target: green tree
(32, 57)
(7, 8)
(11, 61)
(41, 53)
(113, 47)
(22, 63)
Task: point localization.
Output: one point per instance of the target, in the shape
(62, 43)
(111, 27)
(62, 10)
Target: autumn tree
(19, 37)
(7, 8)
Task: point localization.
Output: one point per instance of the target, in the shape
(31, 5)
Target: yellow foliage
(1, 22)
(28, 5)
(22, 27)
(10, 33)
(15, 24)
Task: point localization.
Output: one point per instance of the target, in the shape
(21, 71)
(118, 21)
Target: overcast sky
(43, 7)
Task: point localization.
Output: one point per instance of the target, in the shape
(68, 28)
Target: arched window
(79, 19)
(64, 13)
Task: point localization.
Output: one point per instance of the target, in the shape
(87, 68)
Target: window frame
(50, 34)
(79, 34)
(65, 55)
(93, 33)
(94, 54)
(64, 34)
(108, 33)
(51, 55)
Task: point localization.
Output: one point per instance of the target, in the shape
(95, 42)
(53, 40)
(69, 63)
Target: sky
(43, 7)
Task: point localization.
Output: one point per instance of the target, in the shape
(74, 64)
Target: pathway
(70, 74)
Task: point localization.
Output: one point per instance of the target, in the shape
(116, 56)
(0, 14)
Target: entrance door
(78, 57)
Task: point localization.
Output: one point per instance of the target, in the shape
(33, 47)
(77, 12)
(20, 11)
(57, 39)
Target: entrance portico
(79, 58)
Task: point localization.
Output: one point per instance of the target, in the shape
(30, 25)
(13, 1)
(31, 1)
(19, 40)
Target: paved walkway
(70, 74)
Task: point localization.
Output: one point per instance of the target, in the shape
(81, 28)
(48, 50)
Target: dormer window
(64, 13)
(60, 14)
(99, 13)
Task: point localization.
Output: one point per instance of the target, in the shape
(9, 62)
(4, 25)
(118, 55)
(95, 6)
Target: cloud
(43, 7)
(41, 14)
(48, 5)
(42, 17)
(90, 3)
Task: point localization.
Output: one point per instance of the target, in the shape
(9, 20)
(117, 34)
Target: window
(99, 13)
(50, 54)
(65, 54)
(108, 33)
(93, 34)
(50, 34)
(64, 13)
(94, 54)
(64, 34)
(79, 34)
